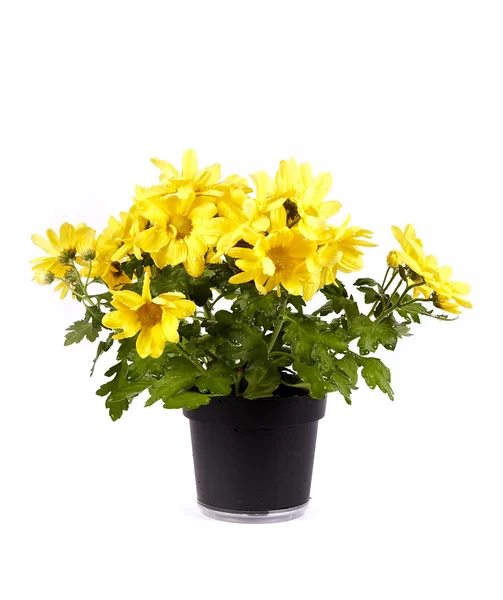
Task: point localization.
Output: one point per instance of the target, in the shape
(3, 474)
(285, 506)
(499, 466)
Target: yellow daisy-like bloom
(119, 236)
(181, 233)
(62, 249)
(340, 252)
(305, 204)
(276, 260)
(234, 224)
(113, 275)
(156, 319)
(191, 182)
(268, 197)
(448, 295)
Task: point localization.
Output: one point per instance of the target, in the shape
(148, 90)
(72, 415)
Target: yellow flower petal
(44, 244)
(176, 252)
(189, 164)
(170, 332)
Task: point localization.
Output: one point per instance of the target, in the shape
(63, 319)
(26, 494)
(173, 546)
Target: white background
(402, 102)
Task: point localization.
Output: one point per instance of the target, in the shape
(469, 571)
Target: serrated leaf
(131, 389)
(348, 365)
(80, 330)
(116, 385)
(412, 311)
(318, 385)
(103, 346)
(218, 380)
(179, 375)
(375, 374)
(263, 380)
(371, 334)
(238, 343)
(342, 383)
(303, 332)
(338, 301)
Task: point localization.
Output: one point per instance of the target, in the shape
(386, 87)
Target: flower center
(292, 212)
(116, 269)
(183, 226)
(149, 314)
(279, 256)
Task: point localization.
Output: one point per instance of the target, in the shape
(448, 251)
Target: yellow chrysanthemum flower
(119, 236)
(305, 204)
(156, 319)
(268, 197)
(181, 232)
(234, 224)
(340, 252)
(191, 182)
(62, 249)
(276, 260)
(447, 295)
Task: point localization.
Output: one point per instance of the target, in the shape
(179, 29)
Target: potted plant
(202, 289)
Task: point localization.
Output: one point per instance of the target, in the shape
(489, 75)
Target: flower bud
(71, 276)
(393, 260)
(44, 278)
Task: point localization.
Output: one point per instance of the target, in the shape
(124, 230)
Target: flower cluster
(279, 234)
(428, 279)
(266, 245)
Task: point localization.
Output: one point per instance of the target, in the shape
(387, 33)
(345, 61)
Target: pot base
(272, 516)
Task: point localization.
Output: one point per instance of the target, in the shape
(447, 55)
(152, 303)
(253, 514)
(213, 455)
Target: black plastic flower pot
(253, 459)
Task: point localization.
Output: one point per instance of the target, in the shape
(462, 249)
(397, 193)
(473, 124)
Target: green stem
(280, 353)
(278, 327)
(383, 289)
(213, 302)
(398, 303)
(193, 360)
(417, 300)
(238, 379)
(88, 274)
(389, 300)
(207, 311)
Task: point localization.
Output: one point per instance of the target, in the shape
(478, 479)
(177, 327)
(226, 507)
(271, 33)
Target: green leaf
(80, 330)
(128, 391)
(338, 301)
(342, 383)
(412, 311)
(118, 392)
(367, 282)
(348, 365)
(302, 333)
(127, 349)
(376, 373)
(372, 334)
(237, 342)
(180, 375)
(310, 374)
(371, 295)
(218, 380)
(103, 346)
(188, 400)
(261, 309)
(263, 380)
(118, 372)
